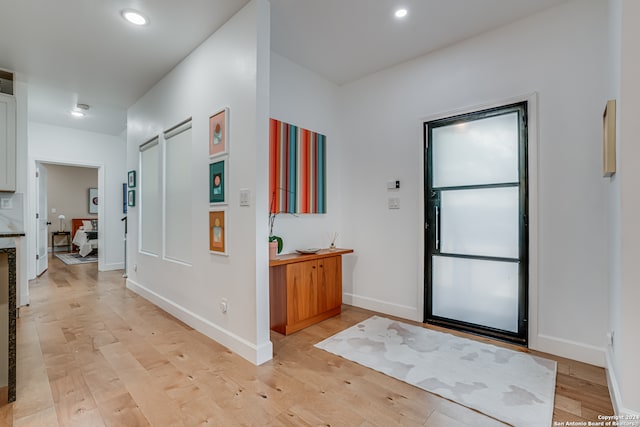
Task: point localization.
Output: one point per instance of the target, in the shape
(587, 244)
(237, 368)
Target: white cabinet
(7, 143)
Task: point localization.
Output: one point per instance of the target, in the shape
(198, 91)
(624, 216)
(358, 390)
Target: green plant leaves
(277, 239)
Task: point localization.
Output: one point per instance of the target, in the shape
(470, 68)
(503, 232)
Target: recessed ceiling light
(401, 13)
(79, 110)
(134, 17)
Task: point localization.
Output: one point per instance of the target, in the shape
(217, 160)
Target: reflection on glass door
(476, 230)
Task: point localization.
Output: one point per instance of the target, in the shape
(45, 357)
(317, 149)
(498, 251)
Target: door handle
(48, 222)
(437, 228)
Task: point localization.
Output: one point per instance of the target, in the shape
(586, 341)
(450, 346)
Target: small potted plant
(275, 242)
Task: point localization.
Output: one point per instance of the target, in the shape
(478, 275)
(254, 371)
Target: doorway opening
(66, 197)
(476, 230)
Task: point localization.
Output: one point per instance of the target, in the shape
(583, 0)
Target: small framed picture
(609, 139)
(218, 231)
(93, 200)
(124, 197)
(131, 179)
(131, 198)
(218, 182)
(219, 133)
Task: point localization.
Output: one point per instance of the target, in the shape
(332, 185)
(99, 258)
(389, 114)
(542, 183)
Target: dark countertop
(12, 234)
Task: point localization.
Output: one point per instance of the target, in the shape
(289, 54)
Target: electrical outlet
(6, 203)
(610, 338)
(394, 203)
(224, 306)
(135, 267)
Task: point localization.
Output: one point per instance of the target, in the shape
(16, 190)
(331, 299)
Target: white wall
(624, 209)
(66, 146)
(263, 73)
(226, 70)
(613, 202)
(559, 54)
(302, 98)
(22, 254)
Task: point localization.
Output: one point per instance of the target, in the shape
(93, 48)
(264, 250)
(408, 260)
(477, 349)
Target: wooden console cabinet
(305, 289)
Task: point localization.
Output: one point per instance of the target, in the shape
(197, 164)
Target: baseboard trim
(402, 311)
(612, 383)
(256, 354)
(570, 349)
(615, 394)
(111, 267)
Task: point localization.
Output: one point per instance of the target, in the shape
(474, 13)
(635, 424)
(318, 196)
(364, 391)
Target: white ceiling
(344, 40)
(83, 51)
(73, 51)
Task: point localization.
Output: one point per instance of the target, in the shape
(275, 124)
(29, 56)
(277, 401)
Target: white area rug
(75, 258)
(511, 386)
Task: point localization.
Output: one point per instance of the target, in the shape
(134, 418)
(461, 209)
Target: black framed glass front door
(476, 237)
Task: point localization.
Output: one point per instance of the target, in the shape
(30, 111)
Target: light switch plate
(6, 203)
(245, 195)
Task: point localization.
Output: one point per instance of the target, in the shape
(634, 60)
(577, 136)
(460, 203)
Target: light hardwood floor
(91, 353)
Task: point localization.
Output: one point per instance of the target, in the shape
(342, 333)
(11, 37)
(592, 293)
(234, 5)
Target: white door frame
(534, 206)
(39, 186)
(31, 225)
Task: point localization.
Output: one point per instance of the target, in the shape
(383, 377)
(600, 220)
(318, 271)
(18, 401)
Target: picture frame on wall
(124, 197)
(219, 133)
(609, 139)
(297, 169)
(218, 231)
(131, 179)
(131, 198)
(93, 200)
(218, 181)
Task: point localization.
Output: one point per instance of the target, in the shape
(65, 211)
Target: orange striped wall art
(297, 169)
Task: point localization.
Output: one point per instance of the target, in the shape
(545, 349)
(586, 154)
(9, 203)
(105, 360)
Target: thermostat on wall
(393, 185)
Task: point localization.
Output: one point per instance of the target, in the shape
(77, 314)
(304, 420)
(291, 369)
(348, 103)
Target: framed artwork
(131, 198)
(131, 177)
(219, 133)
(93, 200)
(609, 139)
(217, 181)
(218, 232)
(124, 197)
(297, 169)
